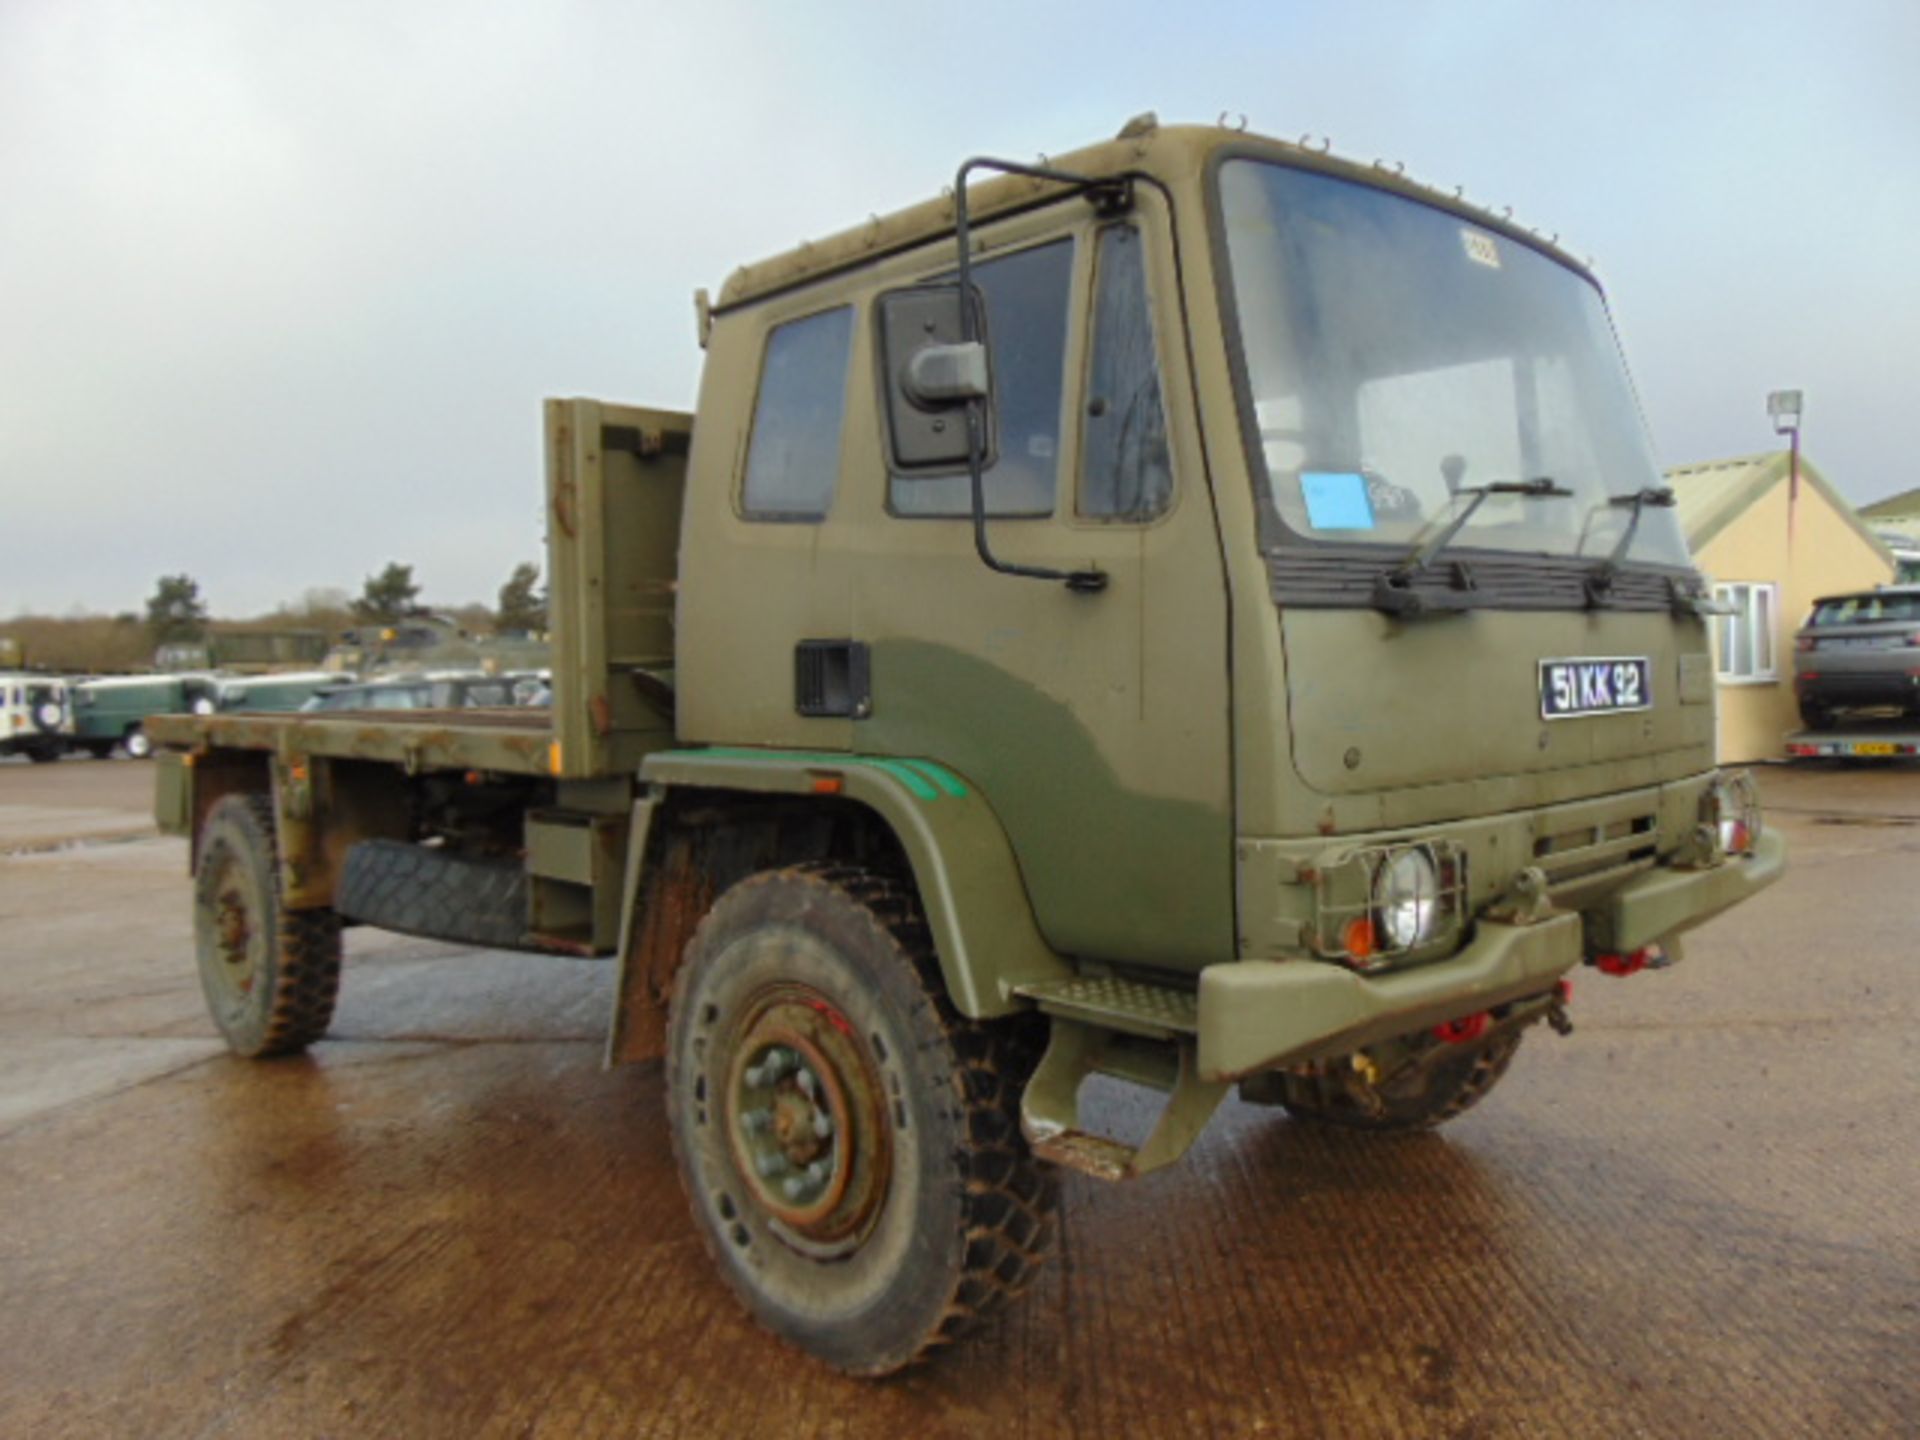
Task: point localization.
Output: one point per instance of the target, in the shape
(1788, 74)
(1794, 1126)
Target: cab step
(1133, 1007)
(1141, 1033)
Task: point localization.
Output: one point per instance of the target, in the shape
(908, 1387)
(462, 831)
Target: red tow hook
(1464, 1030)
(1631, 964)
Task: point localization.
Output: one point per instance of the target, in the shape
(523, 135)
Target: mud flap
(1050, 1108)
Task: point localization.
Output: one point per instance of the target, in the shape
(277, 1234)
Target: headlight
(1406, 897)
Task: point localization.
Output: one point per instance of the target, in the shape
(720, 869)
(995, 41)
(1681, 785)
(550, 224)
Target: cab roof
(1169, 154)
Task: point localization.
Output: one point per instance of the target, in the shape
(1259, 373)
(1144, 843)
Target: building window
(1743, 642)
(794, 456)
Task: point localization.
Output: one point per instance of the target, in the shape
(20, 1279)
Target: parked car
(275, 691)
(111, 712)
(35, 716)
(1859, 651)
(424, 692)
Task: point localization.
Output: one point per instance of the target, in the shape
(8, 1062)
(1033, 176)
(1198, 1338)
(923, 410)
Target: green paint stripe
(924, 779)
(905, 774)
(941, 776)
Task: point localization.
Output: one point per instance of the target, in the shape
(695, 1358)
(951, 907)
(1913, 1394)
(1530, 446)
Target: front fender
(963, 864)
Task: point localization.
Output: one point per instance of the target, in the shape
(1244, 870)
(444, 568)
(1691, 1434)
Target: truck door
(1095, 724)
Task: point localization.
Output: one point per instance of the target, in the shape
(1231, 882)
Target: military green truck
(1197, 611)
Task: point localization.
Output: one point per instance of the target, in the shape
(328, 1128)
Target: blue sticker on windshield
(1336, 500)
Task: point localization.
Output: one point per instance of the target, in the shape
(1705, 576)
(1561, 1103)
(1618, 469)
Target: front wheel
(136, 744)
(849, 1144)
(1427, 1096)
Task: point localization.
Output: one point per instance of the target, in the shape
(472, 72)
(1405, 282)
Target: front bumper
(1258, 1014)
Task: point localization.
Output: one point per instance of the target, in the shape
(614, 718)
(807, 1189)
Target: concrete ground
(1696, 1216)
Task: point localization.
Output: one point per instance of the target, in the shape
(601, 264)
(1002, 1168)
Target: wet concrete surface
(1696, 1216)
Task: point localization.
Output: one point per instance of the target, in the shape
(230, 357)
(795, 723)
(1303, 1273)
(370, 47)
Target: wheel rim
(806, 1116)
(138, 745)
(235, 940)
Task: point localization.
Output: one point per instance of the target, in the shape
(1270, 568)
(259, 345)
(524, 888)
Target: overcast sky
(282, 286)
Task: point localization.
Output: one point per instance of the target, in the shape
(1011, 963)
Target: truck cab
(1394, 630)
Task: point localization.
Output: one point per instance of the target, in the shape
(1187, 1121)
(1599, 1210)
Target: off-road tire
(137, 743)
(1451, 1087)
(270, 975)
(421, 891)
(100, 749)
(964, 1216)
(43, 754)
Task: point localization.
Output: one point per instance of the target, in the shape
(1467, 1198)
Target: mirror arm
(1116, 194)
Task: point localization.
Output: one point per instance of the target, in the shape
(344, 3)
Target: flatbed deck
(516, 741)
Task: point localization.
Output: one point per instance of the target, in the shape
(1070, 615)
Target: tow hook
(1463, 1031)
(1647, 957)
(1558, 1020)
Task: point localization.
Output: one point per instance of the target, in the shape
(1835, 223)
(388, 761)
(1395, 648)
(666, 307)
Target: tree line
(177, 614)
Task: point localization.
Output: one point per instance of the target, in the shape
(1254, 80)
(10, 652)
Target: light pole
(1784, 407)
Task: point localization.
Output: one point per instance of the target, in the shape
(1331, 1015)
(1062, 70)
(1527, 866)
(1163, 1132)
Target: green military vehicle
(111, 712)
(1198, 611)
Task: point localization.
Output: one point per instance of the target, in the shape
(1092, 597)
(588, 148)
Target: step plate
(1129, 1005)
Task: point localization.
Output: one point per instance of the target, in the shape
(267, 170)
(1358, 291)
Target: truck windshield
(1399, 358)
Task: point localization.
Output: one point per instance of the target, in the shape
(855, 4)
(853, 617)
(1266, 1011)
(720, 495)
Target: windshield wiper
(1393, 591)
(1600, 579)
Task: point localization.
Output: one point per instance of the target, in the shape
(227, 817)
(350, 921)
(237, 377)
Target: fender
(963, 865)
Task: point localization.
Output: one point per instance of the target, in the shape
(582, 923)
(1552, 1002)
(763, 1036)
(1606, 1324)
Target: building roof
(1904, 506)
(1715, 493)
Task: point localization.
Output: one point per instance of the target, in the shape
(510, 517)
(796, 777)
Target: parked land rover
(34, 715)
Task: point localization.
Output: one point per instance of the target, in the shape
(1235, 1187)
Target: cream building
(1770, 553)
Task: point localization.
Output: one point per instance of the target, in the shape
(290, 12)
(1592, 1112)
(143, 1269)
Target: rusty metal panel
(509, 743)
(173, 793)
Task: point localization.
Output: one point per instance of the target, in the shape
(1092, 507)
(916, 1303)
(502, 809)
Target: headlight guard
(1381, 903)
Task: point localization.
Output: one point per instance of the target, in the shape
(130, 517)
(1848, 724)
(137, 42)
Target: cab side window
(1026, 296)
(1125, 472)
(793, 456)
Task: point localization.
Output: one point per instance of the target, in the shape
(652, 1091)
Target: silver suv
(1859, 651)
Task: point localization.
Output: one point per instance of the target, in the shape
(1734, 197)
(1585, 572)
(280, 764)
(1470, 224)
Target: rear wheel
(44, 754)
(136, 743)
(269, 974)
(100, 749)
(1421, 1099)
(850, 1145)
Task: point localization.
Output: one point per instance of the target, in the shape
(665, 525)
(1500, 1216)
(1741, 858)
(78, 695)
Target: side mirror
(933, 374)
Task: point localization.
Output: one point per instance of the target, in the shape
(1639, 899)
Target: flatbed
(510, 742)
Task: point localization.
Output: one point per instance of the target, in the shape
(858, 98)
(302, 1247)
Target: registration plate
(1875, 747)
(1594, 687)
